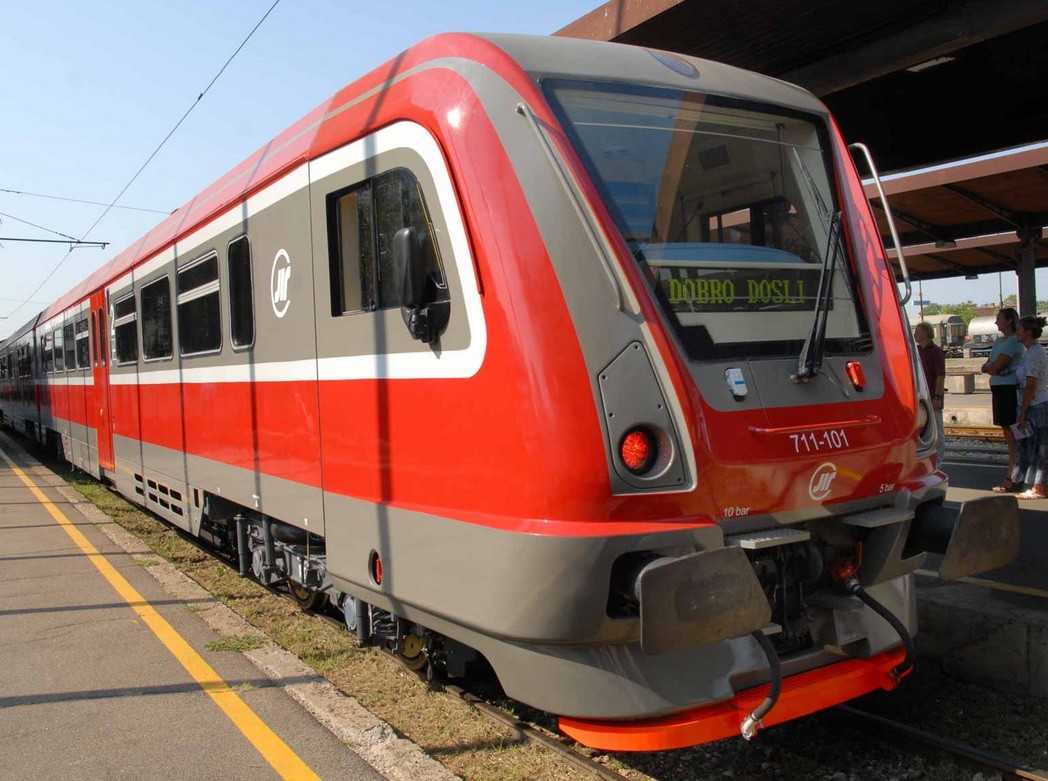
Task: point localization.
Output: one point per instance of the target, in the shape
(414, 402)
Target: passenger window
(49, 356)
(199, 320)
(362, 222)
(125, 331)
(58, 351)
(69, 340)
(156, 320)
(83, 345)
(241, 293)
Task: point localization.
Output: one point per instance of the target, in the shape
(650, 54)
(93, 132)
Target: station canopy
(950, 97)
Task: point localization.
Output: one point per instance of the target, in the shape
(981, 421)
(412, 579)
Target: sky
(90, 89)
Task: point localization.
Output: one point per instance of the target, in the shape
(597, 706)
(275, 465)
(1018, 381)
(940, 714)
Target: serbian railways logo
(278, 283)
(821, 482)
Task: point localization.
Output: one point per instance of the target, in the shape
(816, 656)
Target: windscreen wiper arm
(810, 361)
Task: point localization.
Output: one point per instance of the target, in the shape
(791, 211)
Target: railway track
(1008, 768)
(981, 433)
(564, 749)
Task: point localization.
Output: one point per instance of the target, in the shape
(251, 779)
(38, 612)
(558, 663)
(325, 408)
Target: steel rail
(986, 433)
(534, 735)
(1010, 769)
(522, 730)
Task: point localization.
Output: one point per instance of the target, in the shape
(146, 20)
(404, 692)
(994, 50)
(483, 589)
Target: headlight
(927, 433)
(922, 417)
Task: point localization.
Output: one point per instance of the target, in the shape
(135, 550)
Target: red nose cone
(638, 450)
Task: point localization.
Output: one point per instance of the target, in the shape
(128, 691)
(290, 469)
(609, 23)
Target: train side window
(157, 340)
(362, 222)
(125, 331)
(241, 293)
(69, 340)
(351, 249)
(47, 347)
(101, 334)
(59, 351)
(83, 345)
(199, 319)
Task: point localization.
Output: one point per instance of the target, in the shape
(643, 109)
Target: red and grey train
(582, 357)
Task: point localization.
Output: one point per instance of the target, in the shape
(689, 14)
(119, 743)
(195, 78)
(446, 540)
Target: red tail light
(376, 568)
(856, 374)
(638, 450)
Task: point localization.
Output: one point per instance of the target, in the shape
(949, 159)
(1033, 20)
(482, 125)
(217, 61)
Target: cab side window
(362, 221)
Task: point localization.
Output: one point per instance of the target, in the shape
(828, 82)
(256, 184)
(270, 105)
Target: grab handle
(888, 215)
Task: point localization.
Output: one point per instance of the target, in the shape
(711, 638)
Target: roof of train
(563, 57)
(936, 319)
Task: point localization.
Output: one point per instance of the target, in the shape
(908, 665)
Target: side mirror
(424, 317)
(407, 267)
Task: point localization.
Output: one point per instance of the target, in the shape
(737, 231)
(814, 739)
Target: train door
(100, 421)
(373, 375)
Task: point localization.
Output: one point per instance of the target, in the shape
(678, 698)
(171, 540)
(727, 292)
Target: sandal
(1030, 494)
(1008, 487)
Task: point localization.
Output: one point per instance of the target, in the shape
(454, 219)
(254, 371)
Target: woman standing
(1001, 365)
(1032, 381)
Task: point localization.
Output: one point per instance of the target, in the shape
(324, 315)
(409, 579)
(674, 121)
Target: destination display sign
(691, 289)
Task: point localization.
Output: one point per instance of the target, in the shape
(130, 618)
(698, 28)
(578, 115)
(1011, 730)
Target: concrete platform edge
(974, 635)
(398, 759)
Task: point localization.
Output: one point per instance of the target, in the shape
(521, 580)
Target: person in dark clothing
(933, 361)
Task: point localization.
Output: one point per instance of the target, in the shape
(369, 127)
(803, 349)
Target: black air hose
(753, 722)
(903, 667)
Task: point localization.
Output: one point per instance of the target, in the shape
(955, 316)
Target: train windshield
(730, 210)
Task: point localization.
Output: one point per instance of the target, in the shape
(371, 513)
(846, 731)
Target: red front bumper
(802, 694)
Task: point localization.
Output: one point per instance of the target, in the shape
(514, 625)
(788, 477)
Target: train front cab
(631, 384)
(766, 429)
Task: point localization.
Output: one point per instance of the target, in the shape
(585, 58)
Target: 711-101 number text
(818, 441)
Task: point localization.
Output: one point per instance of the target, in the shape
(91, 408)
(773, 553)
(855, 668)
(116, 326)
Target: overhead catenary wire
(80, 200)
(41, 227)
(151, 156)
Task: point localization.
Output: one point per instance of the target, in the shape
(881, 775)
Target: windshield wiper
(810, 360)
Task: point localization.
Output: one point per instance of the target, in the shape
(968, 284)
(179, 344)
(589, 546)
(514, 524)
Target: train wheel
(349, 614)
(306, 598)
(412, 653)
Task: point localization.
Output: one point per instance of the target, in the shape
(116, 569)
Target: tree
(966, 310)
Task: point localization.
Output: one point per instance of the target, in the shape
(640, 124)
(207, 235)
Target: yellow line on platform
(996, 585)
(277, 753)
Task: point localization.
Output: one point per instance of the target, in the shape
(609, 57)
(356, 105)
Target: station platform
(991, 629)
(971, 410)
(106, 674)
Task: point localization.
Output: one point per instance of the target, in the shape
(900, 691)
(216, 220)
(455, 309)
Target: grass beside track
(823, 746)
(444, 726)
